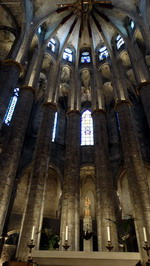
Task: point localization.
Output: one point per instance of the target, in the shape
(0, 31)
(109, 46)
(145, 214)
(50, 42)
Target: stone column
(144, 92)
(71, 192)
(138, 185)
(142, 76)
(34, 209)
(9, 75)
(105, 198)
(10, 157)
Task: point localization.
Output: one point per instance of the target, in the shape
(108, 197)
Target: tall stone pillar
(105, 199)
(144, 92)
(10, 157)
(35, 204)
(71, 192)
(138, 185)
(9, 75)
(142, 76)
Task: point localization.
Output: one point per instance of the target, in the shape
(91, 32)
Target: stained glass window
(39, 30)
(87, 128)
(11, 107)
(119, 41)
(118, 122)
(52, 45)
(85, 57)
(132, 24)
(68, 55)
(54, 128)
(103, 53)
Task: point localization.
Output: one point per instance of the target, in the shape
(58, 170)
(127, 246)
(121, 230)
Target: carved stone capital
(141, 85)
(12, 62)
(26, 87)
(73, 112)
(51, 104)
(100, 110)
(119, 102)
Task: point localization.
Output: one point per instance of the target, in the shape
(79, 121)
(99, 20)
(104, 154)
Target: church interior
(75, 132)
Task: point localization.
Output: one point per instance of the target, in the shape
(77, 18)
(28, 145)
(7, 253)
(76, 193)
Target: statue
(87, 204)
(85, 89)
(64, 79)
(65, 74)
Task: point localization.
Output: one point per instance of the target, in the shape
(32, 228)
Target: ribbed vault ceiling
(69, 21)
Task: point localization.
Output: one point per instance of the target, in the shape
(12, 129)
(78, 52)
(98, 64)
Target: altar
(83, 258)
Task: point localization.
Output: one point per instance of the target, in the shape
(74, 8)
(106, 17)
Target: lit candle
(66, 235)
(32, 235)
(145, 236)
(108, 233)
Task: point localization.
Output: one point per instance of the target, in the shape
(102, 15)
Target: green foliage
(51, 239)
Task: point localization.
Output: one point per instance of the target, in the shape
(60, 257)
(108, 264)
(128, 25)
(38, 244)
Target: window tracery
(85, 57)
(103, 53)
(119, 41)
(68, 55)
(87, 128)
(52, 45)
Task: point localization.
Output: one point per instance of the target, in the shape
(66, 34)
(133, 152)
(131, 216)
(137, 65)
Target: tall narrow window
(39, 30)
(11, 107)
(52, 45)
(119, 41)
(68, 54)
(132, 24)
(87, 128)
(54, 128)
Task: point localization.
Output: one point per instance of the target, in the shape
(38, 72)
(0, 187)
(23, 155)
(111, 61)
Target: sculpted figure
(65, 74)
(85, 76)
(64, 79)
(85, 89)
(87, 205)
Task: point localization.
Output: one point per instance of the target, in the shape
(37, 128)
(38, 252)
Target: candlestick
(66, 246)
(108, 233)
(147, 249)
(66, 234)
(30, 246)
(109, 246)
(145, 236)
(32, 235)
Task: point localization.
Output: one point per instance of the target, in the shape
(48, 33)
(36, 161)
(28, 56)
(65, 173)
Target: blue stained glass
(52, 44)
(120, 41)
(85, 57)
(11, 107)
(67, 55)
(87, 129)
(103, 53)
(54, 128)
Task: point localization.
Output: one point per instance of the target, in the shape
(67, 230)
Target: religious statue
(85, 89)
(64, 81)
(87, 204)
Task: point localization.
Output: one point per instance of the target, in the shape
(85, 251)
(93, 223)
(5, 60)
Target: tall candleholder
(30, 246)
(109, 246)
(66, 246)
(147, 249)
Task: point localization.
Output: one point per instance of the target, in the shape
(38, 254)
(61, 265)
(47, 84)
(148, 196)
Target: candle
(108, 233)
(66, 235)
(32, 235)
(145, 236)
